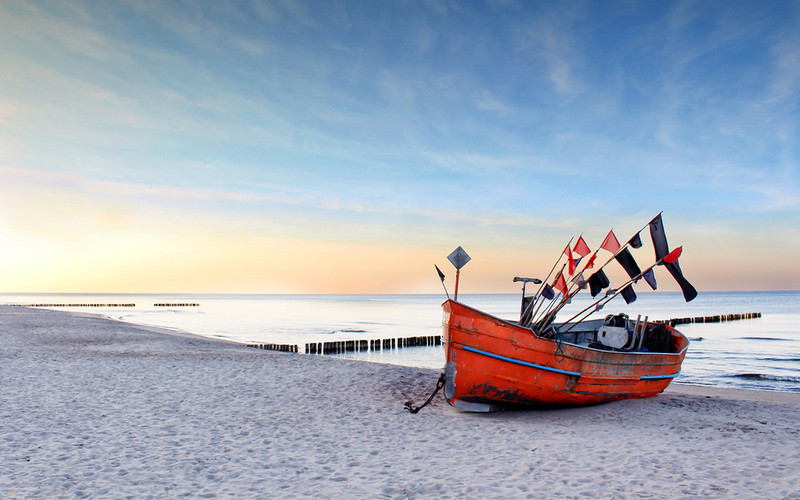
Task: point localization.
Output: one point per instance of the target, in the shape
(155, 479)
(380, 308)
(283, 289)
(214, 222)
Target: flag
(581, 281)
(628, 263)
(689, 293)
(597, 282)
(548, 293)
(673, 255)
(590, 264)
(441, 274)
(628, 294)
(560, 284)
(568, 253)
(659, 237)
(610, 243)
(636, 241)
(650, 277)
(581, 248)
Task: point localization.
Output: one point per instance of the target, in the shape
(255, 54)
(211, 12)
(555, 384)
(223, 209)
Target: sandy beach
(95, 408)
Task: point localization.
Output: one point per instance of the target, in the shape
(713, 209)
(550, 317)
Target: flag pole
(537, 295)
(544, 282)
(671, 257)
(563, 301)
(536, 312)
(441, 277)
(550, 312)
(621, 248)
(547, 311)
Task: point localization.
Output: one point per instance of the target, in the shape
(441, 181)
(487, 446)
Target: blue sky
(346, 146)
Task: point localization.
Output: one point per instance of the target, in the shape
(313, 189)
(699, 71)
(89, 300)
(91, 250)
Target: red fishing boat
(492, 363)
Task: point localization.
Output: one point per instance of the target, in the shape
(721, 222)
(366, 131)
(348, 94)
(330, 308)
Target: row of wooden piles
(161, 304)
(275, 347)
(371, 345)
(74, 305)
(342, 346)
(712, 319)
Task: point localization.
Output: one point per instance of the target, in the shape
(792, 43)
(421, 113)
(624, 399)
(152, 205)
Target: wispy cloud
(400, 120)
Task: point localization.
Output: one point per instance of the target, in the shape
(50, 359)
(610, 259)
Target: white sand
(95, 408)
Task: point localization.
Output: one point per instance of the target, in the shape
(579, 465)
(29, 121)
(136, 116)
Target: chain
(409, 404)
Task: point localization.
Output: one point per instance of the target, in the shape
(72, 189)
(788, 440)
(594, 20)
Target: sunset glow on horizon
(325, 147)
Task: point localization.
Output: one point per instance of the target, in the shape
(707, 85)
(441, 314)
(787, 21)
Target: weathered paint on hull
(492, 363)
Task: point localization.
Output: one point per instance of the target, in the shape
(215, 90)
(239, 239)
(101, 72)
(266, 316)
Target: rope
(559, 346)
(552, 332)
(409, 404)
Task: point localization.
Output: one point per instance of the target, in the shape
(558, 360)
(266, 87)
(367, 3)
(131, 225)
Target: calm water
(762, 353)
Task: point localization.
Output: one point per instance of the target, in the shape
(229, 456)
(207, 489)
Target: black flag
(441, 274)
(597, 282)
(659, 237)
(636, 241)
(628, 294)
(662, 250)
(650, 277)
(628, 263)
(688, 290)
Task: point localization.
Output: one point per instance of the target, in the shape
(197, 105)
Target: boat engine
(614, 332)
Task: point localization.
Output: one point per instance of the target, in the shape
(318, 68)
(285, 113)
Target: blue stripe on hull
(658, 377)
(554, 370)
(520, 362)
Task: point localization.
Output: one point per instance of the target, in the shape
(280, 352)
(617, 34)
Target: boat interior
(615, 332)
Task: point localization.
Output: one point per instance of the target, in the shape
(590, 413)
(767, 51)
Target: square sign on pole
(459, 258)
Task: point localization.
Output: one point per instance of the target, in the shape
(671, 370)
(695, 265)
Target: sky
(348, 146)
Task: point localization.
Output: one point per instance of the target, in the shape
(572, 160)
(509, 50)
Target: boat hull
(492, 363)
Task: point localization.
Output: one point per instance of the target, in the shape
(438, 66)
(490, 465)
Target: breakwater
(275, 347)
(160, 304)
(74, 305)
(720, 318)
(342, 346)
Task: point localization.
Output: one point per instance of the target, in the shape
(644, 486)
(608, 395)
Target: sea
(761, 353)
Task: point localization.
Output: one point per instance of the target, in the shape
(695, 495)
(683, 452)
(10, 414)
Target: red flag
(572, 266)
(590, 264)
(610, 243)
(581, 248)
(560, 284)
(672, 256)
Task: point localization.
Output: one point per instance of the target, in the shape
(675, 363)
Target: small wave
(764, 376)
(765, 338)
